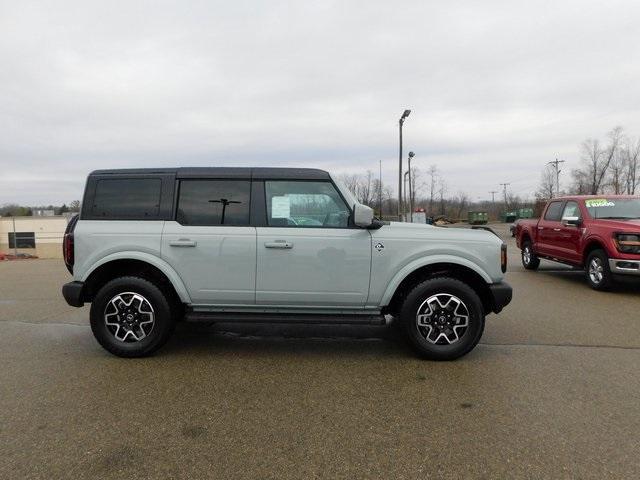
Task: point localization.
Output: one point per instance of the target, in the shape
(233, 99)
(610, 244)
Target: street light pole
(405, 114)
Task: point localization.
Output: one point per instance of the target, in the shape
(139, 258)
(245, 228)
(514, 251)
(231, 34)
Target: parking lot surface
(552, 391)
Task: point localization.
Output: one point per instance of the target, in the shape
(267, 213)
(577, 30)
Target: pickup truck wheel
(443, 318)
(131, 317)
(598, 274)
(530, 260)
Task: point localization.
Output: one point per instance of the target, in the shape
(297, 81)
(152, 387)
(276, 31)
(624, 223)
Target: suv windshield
(613, 208)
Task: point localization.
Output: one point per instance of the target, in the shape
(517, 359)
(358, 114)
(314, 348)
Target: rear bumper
(620, 266)
(72, 293)
(501, 295)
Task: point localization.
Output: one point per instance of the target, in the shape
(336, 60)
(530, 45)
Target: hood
(632, 225)
(408, 230)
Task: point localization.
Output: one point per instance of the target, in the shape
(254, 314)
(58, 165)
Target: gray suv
(152, 247)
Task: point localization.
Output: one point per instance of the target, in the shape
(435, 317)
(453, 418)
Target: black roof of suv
(257, 173)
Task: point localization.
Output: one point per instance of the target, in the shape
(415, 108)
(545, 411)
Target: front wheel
(598, 274)
(131, 317)
(530, 260)
(443, 318)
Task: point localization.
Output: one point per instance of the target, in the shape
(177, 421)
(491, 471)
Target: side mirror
(362, 215)
(575, 221)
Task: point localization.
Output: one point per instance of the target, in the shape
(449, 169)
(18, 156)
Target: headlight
(628, 243)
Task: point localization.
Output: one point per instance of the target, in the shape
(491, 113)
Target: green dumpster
(509, 217)
(525, 213)
(478, 218)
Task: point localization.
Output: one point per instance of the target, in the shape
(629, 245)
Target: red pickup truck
(598, 233)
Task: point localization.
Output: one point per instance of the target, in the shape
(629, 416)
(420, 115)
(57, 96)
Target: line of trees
(609, 166)
(429, 192)
(15, 210)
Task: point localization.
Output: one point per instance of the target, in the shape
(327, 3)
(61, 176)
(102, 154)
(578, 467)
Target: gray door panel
(216, 263)
(313, 266)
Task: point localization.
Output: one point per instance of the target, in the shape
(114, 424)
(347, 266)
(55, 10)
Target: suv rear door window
(305, 204)
(553, 212)
(122, 198)
(214, 202)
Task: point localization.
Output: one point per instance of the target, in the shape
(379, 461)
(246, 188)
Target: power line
(493, 195)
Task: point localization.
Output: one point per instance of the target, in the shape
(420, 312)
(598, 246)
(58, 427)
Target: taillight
(67, 250)
(503, 257)
(67, 244)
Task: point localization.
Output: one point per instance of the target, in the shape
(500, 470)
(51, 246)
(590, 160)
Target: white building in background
(43, 213)
(39, 235)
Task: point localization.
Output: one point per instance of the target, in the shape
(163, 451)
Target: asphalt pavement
(552, 391)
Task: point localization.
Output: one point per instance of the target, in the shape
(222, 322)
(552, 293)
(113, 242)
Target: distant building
(43, 213)
(38, 235)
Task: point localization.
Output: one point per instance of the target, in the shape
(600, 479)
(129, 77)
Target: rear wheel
(530, 260)
(131, 317)
(598, 274)
(443, 318)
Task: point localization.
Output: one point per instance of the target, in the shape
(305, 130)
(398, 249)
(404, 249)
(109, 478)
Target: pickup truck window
(571, 209)
(553, 212)
(214, 202)
(305, 204)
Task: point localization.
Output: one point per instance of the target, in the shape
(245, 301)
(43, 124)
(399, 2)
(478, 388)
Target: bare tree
(630, 155)
(433, 175)
(366, 192)
(616, 175)
(460, 203)
(351, 182)
(547, 183)
(580, 184)
(441, 191)
(363, 186)
(416, 184)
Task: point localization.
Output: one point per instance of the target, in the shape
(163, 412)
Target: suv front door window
(305, 204)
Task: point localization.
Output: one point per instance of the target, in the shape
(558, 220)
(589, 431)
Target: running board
(286, 318)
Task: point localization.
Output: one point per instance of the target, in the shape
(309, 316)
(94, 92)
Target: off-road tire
(164, 312)
(416, 334)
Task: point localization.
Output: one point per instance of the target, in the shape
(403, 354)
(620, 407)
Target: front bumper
(501, 295)
(620, 266)
(72, 293)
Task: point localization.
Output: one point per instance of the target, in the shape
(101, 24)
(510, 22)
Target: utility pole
(556, 164)
(493, 196)
(504, 187)
(380, 191)
(405, 114)
(406, 191)
(411, 193)
(15, 237)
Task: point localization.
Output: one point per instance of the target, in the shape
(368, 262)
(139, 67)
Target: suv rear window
(122, 198)
(214, 202)
(554, 212)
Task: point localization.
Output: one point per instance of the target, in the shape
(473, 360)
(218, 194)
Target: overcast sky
(497, 88)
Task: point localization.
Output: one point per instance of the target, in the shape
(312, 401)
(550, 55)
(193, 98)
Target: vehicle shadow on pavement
(622, 285)
(267, 339)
